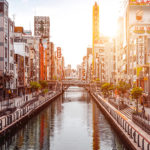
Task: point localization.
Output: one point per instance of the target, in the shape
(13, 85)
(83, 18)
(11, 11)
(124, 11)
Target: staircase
(127, 112)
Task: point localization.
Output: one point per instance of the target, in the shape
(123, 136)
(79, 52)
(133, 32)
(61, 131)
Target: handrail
(10, 119)
(115, 111)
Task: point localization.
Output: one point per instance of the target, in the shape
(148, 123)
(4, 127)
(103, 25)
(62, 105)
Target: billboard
(139, 14)
(141, 29)
(58, 52)
(139, 2)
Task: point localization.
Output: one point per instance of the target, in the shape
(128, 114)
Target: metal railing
(131, 131)
(16, 116)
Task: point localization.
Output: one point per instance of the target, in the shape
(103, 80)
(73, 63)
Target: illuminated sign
(141, 29)
(58, 52)
(139, 2)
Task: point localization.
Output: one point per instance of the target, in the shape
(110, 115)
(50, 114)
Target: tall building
(6, 51)
(95, 31)
(138, 43)
(52, 59)
(42, 26)
(41, 60)
(3, 36)
(22, 60)
(42, 29)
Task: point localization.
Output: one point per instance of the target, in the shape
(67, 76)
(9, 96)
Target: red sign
(139, 2)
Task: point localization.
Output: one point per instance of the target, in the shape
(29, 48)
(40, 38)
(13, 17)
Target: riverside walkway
(134, 135)
(9, 121)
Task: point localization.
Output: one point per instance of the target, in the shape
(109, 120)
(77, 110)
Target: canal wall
(134, 139)
(20, 116)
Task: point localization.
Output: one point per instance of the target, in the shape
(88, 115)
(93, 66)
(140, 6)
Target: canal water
(72, 122)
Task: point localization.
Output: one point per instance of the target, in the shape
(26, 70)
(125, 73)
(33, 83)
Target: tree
(111, 88)
(43, 84)
(54, 78)
(136, 93)
(122, 87)
(45, 91)
(35, 86)
(105, 89)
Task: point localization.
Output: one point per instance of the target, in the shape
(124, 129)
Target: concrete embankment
(20, 116)
(128, 132)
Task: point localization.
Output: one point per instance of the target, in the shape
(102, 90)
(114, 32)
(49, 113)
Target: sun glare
(108, 17)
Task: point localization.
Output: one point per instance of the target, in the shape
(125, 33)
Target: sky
(70, 22)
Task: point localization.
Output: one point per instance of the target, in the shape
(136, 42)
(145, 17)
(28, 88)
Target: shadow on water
(71, 122)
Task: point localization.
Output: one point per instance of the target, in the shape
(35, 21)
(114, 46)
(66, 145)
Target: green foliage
(35, 85)
(136, 92)
(43, 84)
(106, 88)
(111, 87)
(45, 91)
(54, 78)
(122, 87)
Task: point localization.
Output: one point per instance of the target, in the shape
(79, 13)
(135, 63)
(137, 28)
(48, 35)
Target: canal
(72, 122)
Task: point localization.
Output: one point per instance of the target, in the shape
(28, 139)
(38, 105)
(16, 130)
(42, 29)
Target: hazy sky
(70, 22)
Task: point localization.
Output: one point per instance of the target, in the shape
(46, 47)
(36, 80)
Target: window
(1, 7)
(6, 38)
(5, 52)
(11, 53)
(11, 40)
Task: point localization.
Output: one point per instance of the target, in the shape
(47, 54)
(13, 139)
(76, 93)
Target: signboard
(58, 52)
(27, 32)
(139, 2)
(44, 41)
(141, 50)
(141, 29)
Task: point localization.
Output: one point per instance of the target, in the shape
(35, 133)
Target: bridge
(75, 83)
(64, 84)
(70, 83)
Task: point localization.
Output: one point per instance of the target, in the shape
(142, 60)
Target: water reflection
(72, 122)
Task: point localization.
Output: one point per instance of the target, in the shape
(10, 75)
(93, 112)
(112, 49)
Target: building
(95, 33)
(52, 67)
(89, 64)
(138, 43)
(41, 60)
(22, 53)
(33, 43)
(11, 52)
(42, 26)
(79, 72)
(6, 52)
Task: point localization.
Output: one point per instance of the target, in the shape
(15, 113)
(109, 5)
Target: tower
(95, 31)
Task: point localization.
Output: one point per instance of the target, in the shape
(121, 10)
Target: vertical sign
(58, 52)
